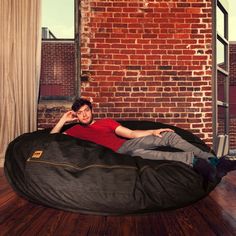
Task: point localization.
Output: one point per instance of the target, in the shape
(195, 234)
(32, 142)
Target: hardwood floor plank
(216, 217)
(74, 221)
(151, 224)
(17, 220)
(95, 225)
(191, 221)
(139, 225)
(44, 221)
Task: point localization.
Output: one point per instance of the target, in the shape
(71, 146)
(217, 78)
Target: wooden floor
(214, 215)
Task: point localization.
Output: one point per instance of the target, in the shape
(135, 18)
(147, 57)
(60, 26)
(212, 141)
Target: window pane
(232, 103)
(57, 70)
(58, 18)
(221, 79)
(221, 120)
(220, 22)
(220, 51)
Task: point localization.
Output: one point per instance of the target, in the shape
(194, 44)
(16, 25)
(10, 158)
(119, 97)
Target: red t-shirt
(101, 132)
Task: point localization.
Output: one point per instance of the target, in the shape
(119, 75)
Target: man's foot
(225, 165)
(205, 169)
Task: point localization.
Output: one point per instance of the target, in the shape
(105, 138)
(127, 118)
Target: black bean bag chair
(66, 173)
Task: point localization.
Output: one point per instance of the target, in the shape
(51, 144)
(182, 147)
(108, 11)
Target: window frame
(77, 61)
(220, 142)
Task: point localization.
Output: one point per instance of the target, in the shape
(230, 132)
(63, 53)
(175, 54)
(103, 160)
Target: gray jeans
(144, 146)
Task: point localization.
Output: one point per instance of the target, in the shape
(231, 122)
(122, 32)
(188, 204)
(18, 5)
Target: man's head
(83, 110)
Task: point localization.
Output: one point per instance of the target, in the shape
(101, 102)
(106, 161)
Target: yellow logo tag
(37, 154)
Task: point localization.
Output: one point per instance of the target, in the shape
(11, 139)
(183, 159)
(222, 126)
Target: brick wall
(232, 61)
(57, 69)
(232, 95)
(232, 133)
(147, 60)
(49, 112)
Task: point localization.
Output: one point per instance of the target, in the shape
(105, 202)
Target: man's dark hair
(78, 103)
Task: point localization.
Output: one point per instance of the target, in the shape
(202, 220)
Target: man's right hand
(69, 116)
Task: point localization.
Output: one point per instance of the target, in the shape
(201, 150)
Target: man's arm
(128, 133)
(67, 117)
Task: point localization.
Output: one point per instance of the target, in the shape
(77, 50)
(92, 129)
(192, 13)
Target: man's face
(85, 115)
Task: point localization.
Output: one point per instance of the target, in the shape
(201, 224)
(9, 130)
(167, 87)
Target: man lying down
(111, 134)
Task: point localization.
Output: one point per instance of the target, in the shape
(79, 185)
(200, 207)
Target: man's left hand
(157, 132)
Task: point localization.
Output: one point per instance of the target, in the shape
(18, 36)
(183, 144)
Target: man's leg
(204, 165)
(141, 147)
(170, 139)
(225, 165)
(185, 157)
